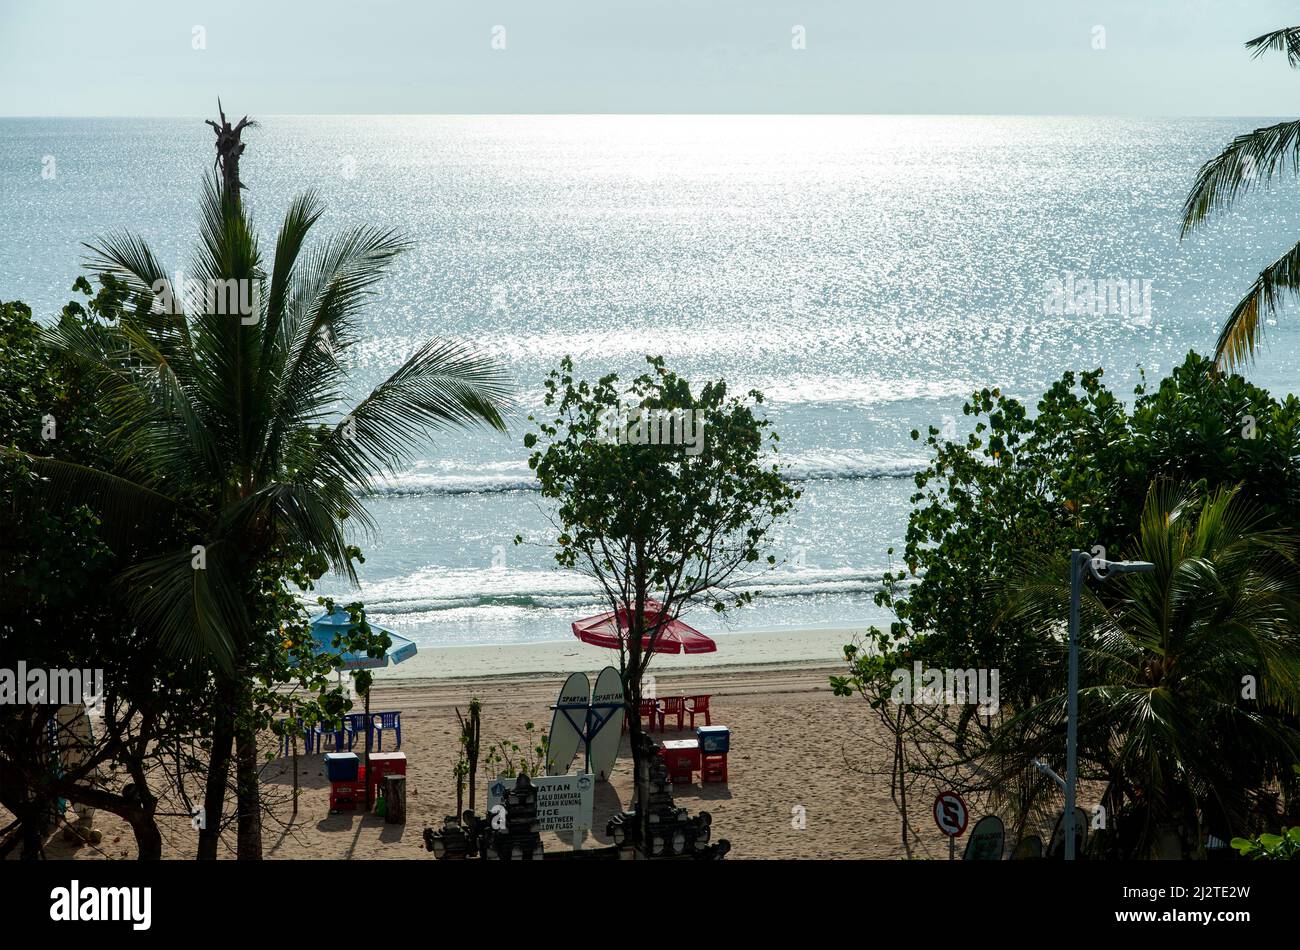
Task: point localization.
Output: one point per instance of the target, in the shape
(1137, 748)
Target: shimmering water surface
(864, 272)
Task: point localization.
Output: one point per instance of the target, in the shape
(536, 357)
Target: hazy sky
(139, 57)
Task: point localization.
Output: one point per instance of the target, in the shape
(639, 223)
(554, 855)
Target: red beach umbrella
(610, 629)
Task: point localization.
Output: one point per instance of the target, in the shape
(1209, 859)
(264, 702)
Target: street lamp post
(1101, 570)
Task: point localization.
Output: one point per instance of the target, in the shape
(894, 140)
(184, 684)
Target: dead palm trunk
(248, 799)
(229, 148)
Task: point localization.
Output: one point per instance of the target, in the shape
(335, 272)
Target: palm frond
(1285, 40)
(155, 422)
(1250, 159)
(122, 506)
(128, 257)
(303, 213)
(1244, 329)
(195, 611)
(321, 320)
(305, 515)
(1162, 654)
(443, 384)
(227, 345)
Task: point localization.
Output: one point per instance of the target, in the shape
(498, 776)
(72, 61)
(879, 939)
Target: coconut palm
(1190, 675)
(230, 418)
(1252, 159)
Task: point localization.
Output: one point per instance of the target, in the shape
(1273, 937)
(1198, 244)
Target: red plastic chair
(670, 706)
(648, 711)
(697, 706)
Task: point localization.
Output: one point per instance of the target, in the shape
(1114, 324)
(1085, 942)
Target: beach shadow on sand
(311, 772)
(605, 805)
(360, 822)
(710, 792)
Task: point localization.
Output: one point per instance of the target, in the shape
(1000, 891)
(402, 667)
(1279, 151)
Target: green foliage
(1267, 847)
(59, 605)
(523, 756)
(56, 560)
(653, 518)
(1025, 488)
(656, 518)
(1074, 474)
(226, 418)
(1190, 674)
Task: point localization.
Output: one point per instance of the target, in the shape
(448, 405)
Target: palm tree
(229, 417)
(1168, 720)
(1250, 159)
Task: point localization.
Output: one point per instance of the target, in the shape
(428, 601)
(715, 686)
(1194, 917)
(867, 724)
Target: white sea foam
(436, 589)
(504, 477)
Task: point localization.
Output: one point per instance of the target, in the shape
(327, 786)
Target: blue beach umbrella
(329, 625)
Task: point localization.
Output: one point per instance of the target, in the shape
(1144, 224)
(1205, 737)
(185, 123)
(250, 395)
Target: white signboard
(564, 802)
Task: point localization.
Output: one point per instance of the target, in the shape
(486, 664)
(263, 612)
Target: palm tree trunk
(214, 799)
(248, 795)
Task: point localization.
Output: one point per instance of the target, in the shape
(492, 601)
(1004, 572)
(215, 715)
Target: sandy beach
(795, 747)
(788, 647)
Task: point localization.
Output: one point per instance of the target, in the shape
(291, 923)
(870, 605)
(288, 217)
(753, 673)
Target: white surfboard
(604, 747)
(566, 738)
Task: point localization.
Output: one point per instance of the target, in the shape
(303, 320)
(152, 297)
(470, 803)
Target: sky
(1055, 57)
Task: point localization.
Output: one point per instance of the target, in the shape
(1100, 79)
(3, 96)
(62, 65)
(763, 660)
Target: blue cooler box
(342, 766)
(713, 739)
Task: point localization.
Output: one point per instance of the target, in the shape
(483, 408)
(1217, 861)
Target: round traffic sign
(950, 813)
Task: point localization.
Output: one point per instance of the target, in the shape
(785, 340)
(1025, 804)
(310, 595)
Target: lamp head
(1101, 568)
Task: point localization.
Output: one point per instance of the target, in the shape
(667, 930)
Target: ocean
(866, 273)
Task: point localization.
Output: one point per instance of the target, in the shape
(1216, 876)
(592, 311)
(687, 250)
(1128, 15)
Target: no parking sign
(951, 815)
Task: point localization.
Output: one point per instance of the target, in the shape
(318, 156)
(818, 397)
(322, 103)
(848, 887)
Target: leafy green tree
(1251, 160)
(1072, 473)
(230, 416)
(62, 610)
(59, 609)
(1190, 675)
(651, 518)
(1272, 847)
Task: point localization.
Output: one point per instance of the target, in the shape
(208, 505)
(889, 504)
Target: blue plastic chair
(321, 730)
(387, 720)
(353, 723)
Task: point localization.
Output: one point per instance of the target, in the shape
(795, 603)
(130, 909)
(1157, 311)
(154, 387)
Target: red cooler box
(345, 795)
(682, 756)
(385, 763)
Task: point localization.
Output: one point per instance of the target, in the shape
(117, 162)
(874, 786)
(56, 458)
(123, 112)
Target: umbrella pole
(369, 803)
